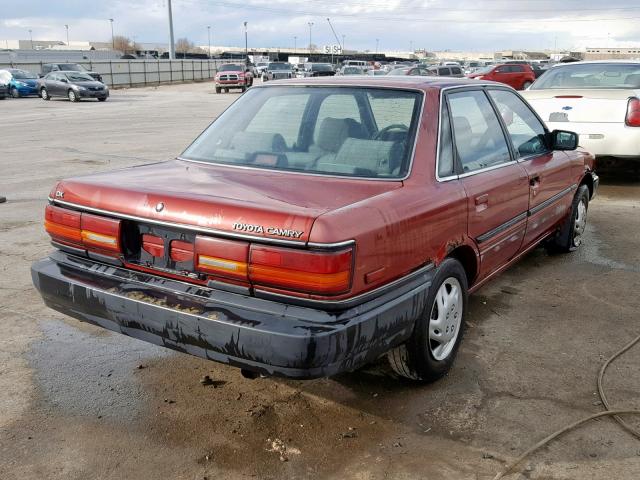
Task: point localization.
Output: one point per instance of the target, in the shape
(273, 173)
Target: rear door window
(445, 157)
(479, 140)
(526, 131)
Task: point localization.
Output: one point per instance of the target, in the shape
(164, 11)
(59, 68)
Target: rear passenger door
(549, 172)
(495, 184)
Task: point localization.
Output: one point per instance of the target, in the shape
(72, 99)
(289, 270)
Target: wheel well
(467, 257)
(588, 181)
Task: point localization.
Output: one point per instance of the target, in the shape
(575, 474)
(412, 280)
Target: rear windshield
(279, 66)
(590, 75)
(23, 74)
(73, 67)
(346, 131)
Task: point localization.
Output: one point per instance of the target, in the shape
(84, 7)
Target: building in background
(612, 53)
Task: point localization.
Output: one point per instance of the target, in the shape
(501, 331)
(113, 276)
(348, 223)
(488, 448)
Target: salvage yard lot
(77, 402)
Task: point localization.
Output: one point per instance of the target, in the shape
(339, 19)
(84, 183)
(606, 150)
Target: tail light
(63, 225)
(633, 113)
(222, 258)
(303, 271)
(82, 229)
(100, 233)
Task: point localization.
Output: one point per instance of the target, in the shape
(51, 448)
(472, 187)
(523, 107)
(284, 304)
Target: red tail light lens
(181, 251)
(153, 245)
(633, 113)
(82, 229)
(100, 233)
(62, 225)
(222, 258)
(303, 271)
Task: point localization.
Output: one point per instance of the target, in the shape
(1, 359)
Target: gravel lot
(77, 402)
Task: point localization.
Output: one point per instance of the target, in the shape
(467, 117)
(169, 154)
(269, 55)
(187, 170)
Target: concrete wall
(132, 73)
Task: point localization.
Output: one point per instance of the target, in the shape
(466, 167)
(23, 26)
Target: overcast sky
(479, 25)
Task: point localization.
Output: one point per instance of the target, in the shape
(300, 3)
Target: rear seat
(366, 157)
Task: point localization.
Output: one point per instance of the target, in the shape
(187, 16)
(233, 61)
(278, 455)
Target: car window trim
(443, 95)
(423, 103)
(516, 153)
(457, 163)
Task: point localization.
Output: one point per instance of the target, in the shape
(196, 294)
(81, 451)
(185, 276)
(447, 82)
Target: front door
(549, 172)
(496, 185)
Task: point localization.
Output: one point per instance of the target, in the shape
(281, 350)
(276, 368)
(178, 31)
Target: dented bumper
(260, 335)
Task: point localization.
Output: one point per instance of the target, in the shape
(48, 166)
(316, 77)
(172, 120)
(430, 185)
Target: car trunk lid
(588, 106)
(236, 202)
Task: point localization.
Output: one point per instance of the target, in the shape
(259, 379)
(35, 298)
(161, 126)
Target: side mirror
(64, 80)
(563, 140)
(40, 75)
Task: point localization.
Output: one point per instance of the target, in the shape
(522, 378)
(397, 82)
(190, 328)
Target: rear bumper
(264, 336)
(604, 139)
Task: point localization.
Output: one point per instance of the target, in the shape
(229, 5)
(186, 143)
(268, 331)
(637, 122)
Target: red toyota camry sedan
(318, 224)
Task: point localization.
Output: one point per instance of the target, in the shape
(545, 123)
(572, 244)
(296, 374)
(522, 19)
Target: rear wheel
(73, 96)
(15, 93)
(218, 90)
(570, 236)
(431, 349)
(243, 89)
(44, 94)
(526, 85)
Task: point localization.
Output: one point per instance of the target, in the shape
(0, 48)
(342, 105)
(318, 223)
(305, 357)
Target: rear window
(346, 131)
(590, 75)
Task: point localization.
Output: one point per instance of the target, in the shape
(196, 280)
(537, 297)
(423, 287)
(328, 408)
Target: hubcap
(580, 223)
(44, 93)
(445, 318)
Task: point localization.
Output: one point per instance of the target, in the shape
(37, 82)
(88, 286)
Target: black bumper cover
(256, 334)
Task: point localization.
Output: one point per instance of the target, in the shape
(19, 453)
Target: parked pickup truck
(232, 76)
(351, 227)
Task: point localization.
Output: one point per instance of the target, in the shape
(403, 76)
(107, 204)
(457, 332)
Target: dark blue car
(21, 83)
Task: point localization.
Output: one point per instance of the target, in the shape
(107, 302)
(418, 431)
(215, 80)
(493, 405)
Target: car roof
(591, 62)
(385, 81)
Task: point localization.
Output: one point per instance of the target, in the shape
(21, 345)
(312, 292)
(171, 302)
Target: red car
(232, 75)
(320, 223)
(519, 76)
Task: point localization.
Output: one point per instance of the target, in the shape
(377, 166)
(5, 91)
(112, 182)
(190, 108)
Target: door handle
(482, 199)
(534, 183)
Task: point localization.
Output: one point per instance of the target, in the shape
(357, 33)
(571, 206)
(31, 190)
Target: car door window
(479, 140)
(503, 69)
(456, 71)
(444, 72)
(445, 157)
(516, 68)
(526, 131)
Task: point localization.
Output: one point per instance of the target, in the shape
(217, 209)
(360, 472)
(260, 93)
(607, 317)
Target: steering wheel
(395, 126)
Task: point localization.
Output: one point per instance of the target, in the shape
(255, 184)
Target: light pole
(246, 45)
(172, 46)
(310, 25)
(31, 38)
(67, 27)
(411, 46)
(295, 43)
(113, 39)
(343, 35)
(209, 40)
(377, 43)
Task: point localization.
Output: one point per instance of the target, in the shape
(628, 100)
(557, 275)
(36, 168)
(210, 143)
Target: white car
(599, 100)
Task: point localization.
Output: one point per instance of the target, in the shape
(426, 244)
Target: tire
(15, 93)
(526, 85)
(226, 90)
(104, 99)
(569, 237)
(44, 94)
(72, 96)
(429, 353)
(243, 89)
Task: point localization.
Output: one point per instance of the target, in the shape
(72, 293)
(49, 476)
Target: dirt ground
(77, 402)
